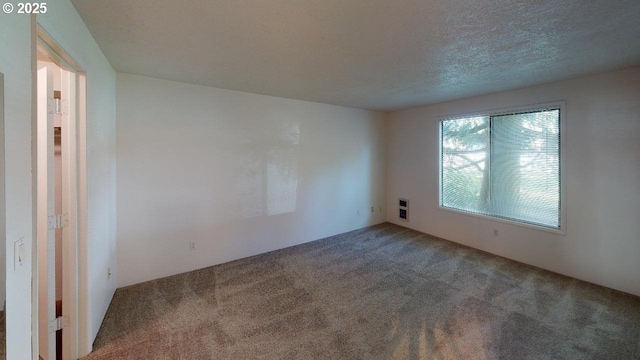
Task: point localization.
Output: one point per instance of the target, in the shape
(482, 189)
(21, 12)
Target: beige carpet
(383, 292)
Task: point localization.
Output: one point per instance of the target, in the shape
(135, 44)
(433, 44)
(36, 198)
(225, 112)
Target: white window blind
(505, 166)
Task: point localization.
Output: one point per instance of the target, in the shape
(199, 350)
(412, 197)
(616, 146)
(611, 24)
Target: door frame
(45, 201)
(74, 251)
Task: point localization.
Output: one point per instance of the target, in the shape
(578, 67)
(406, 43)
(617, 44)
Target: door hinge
(58, 221)
(64, 107)
(58, 323)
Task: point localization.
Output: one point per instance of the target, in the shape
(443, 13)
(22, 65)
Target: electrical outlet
(403, 209)
(192, 245)
(109, 273)
(373, 209)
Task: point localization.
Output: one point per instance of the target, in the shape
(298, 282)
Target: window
(504, 165)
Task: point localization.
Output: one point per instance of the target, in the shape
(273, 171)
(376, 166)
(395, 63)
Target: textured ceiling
(372, 54)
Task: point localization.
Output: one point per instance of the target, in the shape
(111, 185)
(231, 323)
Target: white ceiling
(372, 54)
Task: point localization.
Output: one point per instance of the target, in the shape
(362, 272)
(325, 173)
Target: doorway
(60, 102)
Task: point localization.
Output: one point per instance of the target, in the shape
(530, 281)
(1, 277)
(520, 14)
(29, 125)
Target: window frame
(556, 105)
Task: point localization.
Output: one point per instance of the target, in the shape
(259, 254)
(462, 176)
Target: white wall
(15, 63)
(240, 174)
(64, 24)
(602, 243)
(3, 229)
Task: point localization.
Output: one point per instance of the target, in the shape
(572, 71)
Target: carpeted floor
(383, 292)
